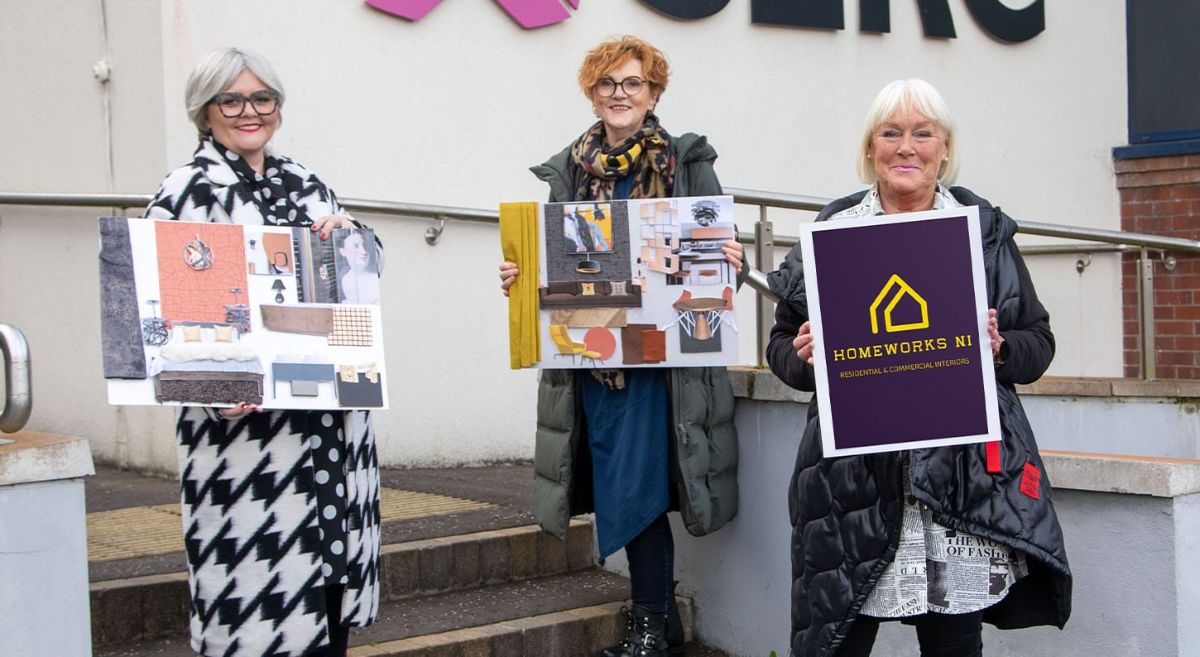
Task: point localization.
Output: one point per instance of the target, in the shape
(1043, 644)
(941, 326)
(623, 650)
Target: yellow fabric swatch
(519, 243)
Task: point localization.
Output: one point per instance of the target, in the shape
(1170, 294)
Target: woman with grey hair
(280, 508)
(944, 538)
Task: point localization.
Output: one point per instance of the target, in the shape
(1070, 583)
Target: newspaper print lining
(943, 571)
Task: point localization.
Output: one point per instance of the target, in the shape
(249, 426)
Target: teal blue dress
(629, 441)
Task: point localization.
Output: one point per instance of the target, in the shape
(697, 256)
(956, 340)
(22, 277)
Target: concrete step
(135, 529)
(469, 582)
(135, 609)
(569, 615)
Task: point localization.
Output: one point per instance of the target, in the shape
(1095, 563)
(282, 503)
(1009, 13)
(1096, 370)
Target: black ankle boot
(647, 636)
(625, 647)
(674, 629)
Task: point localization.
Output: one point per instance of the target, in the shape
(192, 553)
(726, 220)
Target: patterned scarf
(648, 155)
(274, 191)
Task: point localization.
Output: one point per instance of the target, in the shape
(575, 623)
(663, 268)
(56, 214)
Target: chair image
(568, 347)
(722, 316)
(682, 316)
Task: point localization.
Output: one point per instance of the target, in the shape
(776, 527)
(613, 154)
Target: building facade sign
(1003, 23)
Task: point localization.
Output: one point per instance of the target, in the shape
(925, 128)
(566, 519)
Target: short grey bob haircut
(909, 97)
(216, 70)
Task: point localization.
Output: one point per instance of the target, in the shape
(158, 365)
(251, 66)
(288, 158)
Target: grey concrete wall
(1187, 569)
(1145, 426)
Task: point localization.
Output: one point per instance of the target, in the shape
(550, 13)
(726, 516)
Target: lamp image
(154, 329)
(238, 313)
(587, 230)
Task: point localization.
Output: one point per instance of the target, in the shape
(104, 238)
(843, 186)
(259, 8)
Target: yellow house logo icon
(904, 289)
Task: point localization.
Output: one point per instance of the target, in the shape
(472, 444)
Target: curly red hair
(614, 52)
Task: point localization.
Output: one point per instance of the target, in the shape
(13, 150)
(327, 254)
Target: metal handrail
(816, 204)
(76, 200)
(18, 400)
(125, 201)
(763, 236)
(740, 195)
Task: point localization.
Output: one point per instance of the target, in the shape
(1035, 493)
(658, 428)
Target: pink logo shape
(528, 13)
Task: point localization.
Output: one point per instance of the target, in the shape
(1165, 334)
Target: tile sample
(120, 325)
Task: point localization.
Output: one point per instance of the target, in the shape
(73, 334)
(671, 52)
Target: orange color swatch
(200, 295)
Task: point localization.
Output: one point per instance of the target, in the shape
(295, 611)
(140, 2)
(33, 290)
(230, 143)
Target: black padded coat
(846, 512)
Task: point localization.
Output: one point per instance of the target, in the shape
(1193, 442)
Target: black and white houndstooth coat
(250, 512)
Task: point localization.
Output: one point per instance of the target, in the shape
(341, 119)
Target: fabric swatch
(519, 243)
(654, 346)
(351, 327)
(120, 326)
(632, 349)
(589, 317)
(208, 387)
(364, 393)
(298, 319)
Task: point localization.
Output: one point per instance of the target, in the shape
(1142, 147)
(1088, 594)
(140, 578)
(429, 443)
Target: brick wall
(1161, 196)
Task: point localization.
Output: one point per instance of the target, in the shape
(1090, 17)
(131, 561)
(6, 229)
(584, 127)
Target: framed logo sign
(898, 310)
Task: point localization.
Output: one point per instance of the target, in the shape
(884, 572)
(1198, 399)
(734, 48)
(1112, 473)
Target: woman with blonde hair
(974, 537)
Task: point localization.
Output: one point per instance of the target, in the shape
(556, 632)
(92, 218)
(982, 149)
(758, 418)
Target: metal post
(764, 261)
(18, 393)
(1146, 314)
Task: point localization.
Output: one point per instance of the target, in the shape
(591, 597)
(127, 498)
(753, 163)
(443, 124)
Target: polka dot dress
(326, 440)
(327, 443)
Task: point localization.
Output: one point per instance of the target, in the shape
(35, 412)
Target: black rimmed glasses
(232, 104)
(632, 86)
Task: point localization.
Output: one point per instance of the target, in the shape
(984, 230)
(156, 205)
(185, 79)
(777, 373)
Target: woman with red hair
(633, 444)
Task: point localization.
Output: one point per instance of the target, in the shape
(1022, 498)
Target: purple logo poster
(899, 316)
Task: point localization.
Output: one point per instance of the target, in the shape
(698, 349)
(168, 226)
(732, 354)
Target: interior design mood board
(211, 314)
(628, 283)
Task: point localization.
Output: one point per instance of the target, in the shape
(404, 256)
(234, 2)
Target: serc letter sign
(1002, 22)
(1013, 25)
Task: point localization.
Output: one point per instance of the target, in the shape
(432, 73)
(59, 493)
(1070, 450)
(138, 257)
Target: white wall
(452, 110)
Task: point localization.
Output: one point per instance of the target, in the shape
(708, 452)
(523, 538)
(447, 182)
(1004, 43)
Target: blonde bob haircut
(614, 52)
(908, 97)
(216, 70)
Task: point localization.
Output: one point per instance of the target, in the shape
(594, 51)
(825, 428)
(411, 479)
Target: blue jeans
(651, 557)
